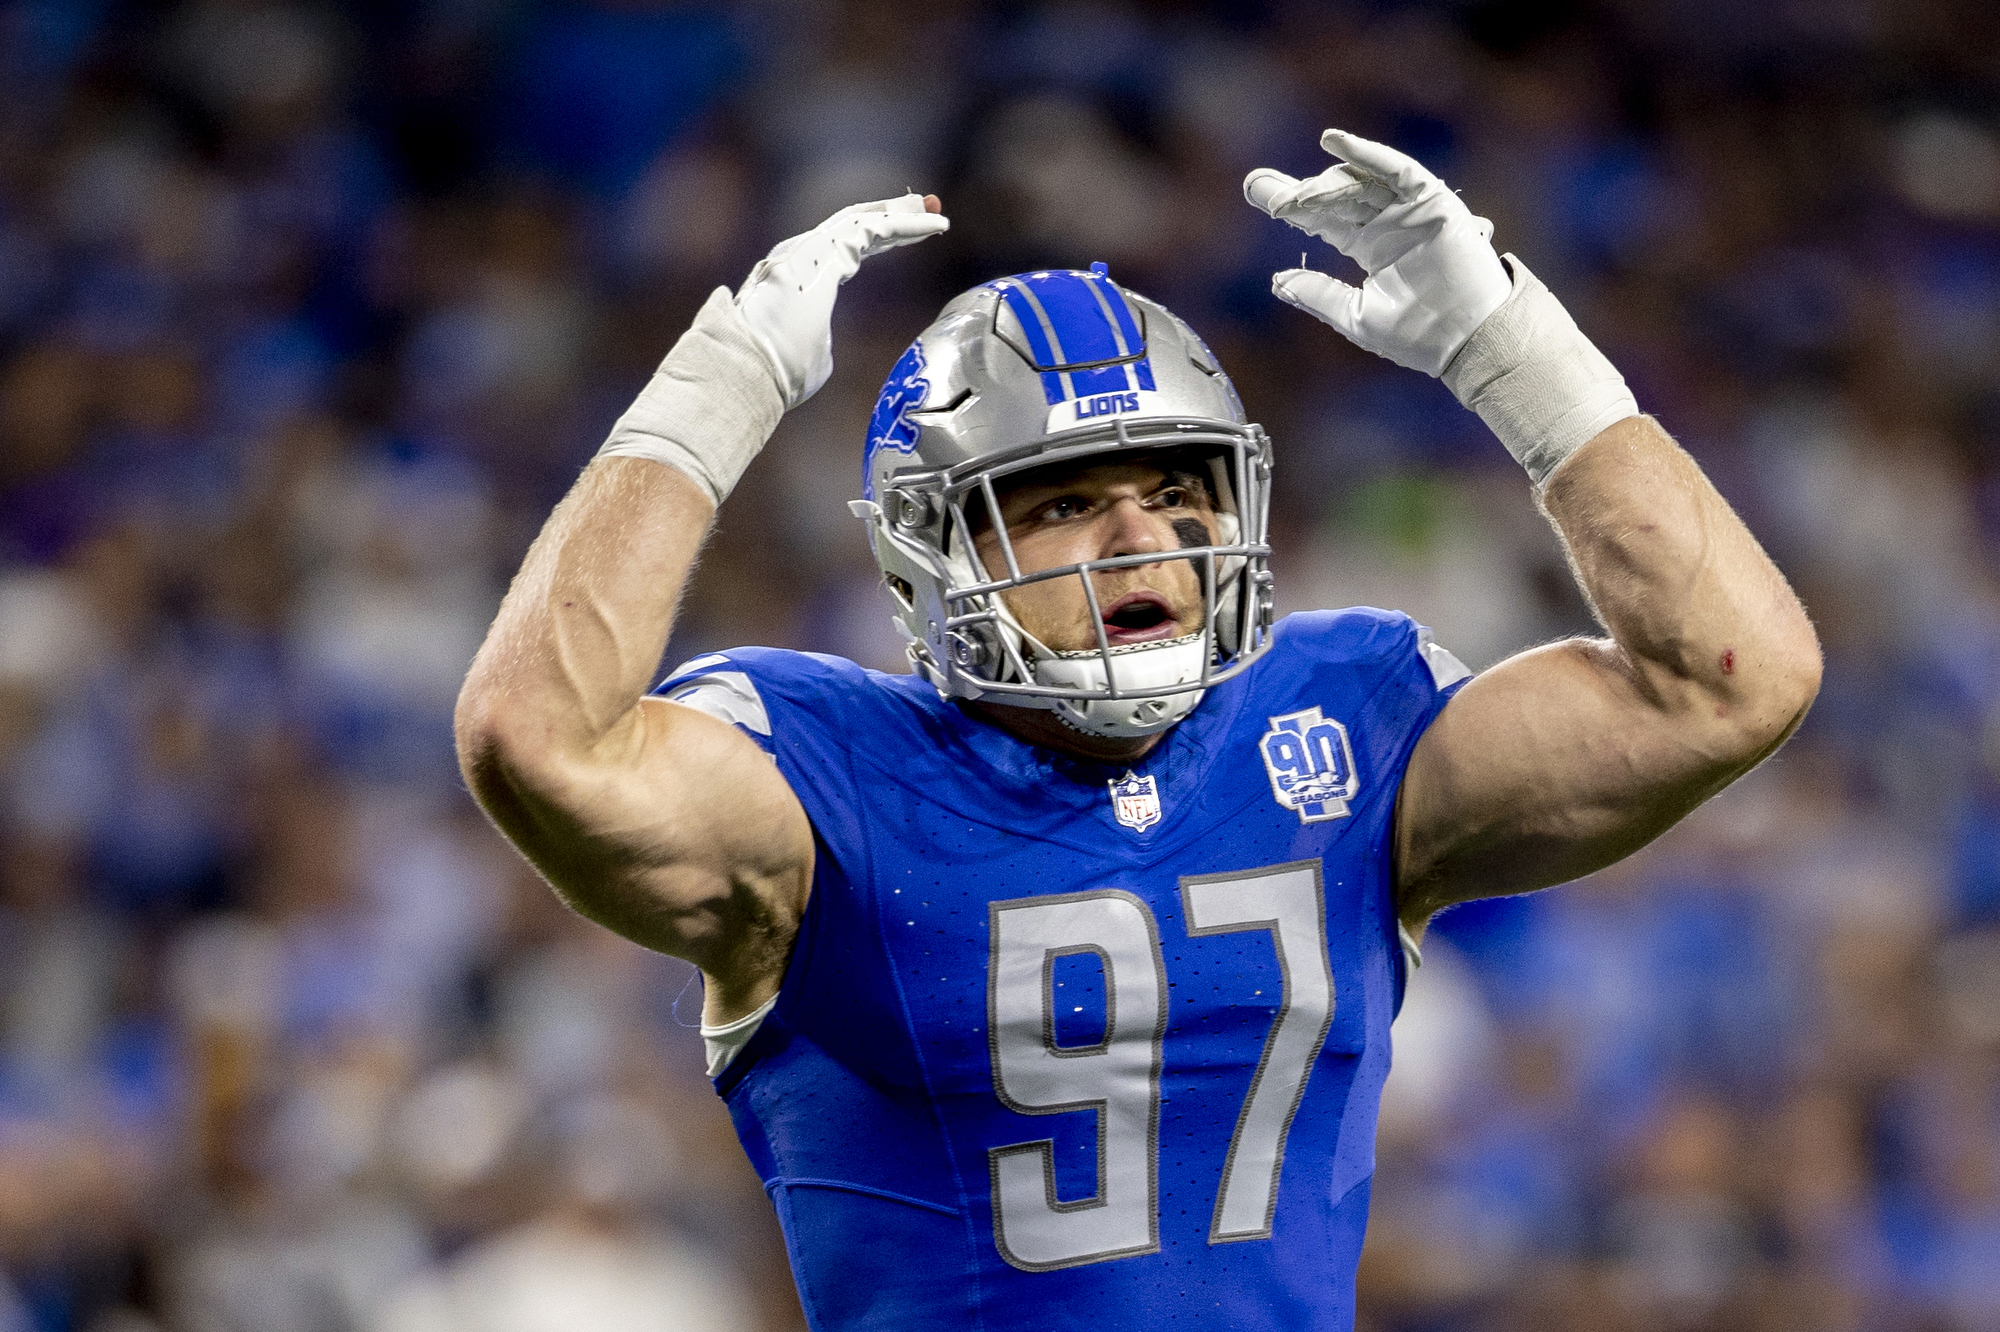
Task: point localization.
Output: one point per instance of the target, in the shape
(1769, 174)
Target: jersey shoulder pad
(764, 691)
(1367, 636)
(818, 717)
(741, 686)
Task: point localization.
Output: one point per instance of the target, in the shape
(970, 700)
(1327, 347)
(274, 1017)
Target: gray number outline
(1049, 959)
(1045, 1147)
(1216, 1233)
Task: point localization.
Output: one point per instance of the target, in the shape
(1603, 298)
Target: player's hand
(1432, 274)
(788, 298)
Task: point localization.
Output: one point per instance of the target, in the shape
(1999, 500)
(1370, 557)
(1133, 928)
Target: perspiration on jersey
(1064, 1044)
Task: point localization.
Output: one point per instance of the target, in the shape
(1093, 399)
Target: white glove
(788, 298)
(748, 359)
(1432, 275)
(1437, 299)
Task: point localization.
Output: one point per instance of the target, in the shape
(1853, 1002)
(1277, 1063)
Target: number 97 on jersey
(1118, 1076)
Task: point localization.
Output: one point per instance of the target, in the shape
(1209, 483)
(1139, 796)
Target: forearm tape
(1536, 381)
(710, 406)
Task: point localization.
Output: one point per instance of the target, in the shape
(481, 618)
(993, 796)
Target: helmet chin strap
(1175, 661)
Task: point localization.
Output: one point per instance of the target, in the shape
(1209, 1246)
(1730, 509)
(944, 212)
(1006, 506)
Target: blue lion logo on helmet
(890, 427)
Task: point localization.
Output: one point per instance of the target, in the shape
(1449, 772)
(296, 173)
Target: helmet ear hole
(900, 588)
(909, 509)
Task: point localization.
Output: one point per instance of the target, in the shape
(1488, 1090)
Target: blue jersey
(1064, 1044)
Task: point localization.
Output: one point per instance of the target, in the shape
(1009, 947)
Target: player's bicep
(677, 830)
(1552, 764)
(723, 805)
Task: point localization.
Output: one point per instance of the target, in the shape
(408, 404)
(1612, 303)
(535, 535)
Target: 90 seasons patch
(1311, 765)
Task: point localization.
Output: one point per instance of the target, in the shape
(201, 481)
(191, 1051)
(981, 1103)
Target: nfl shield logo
(1136, 801)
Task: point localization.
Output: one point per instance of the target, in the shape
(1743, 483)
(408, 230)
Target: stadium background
(308, 314)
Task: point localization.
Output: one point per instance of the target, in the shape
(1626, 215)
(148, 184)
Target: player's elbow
(1762, 711)
(476, 729)
(1804, 668)
(1793, 675)
(499, 749)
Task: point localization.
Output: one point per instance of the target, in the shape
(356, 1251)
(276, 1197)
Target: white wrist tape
(1536, 381)
(711, 405)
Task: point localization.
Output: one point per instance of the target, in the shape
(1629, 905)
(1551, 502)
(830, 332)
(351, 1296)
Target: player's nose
(1133, 529)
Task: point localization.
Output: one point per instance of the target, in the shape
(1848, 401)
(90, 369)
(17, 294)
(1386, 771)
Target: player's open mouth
(1140, 617)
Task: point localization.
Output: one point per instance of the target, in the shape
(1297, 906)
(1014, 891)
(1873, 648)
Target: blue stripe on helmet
(1082, 332)
(1121, 312)
(1087, 320)
(1038, 342)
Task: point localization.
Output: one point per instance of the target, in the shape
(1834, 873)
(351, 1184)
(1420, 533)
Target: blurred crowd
(310, 312)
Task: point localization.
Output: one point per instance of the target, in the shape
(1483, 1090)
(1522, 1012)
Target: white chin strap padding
(1178, 661)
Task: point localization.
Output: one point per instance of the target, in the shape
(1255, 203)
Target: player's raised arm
(661, 822)
(1567, 757)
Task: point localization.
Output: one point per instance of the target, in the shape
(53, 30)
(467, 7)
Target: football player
(1050, 985)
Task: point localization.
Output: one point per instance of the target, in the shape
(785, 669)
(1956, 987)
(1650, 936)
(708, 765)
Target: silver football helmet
(1029, 371)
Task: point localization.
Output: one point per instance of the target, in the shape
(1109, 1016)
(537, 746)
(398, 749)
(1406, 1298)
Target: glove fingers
(787, 301)
(1345, 197)
(902, 203)
(886, 231)
(1399, 171)
(1326, 298)
(1286, 198)
(1269, 190)
(854, 234)
(869, 228)
(801, 266)
(1334, 205)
